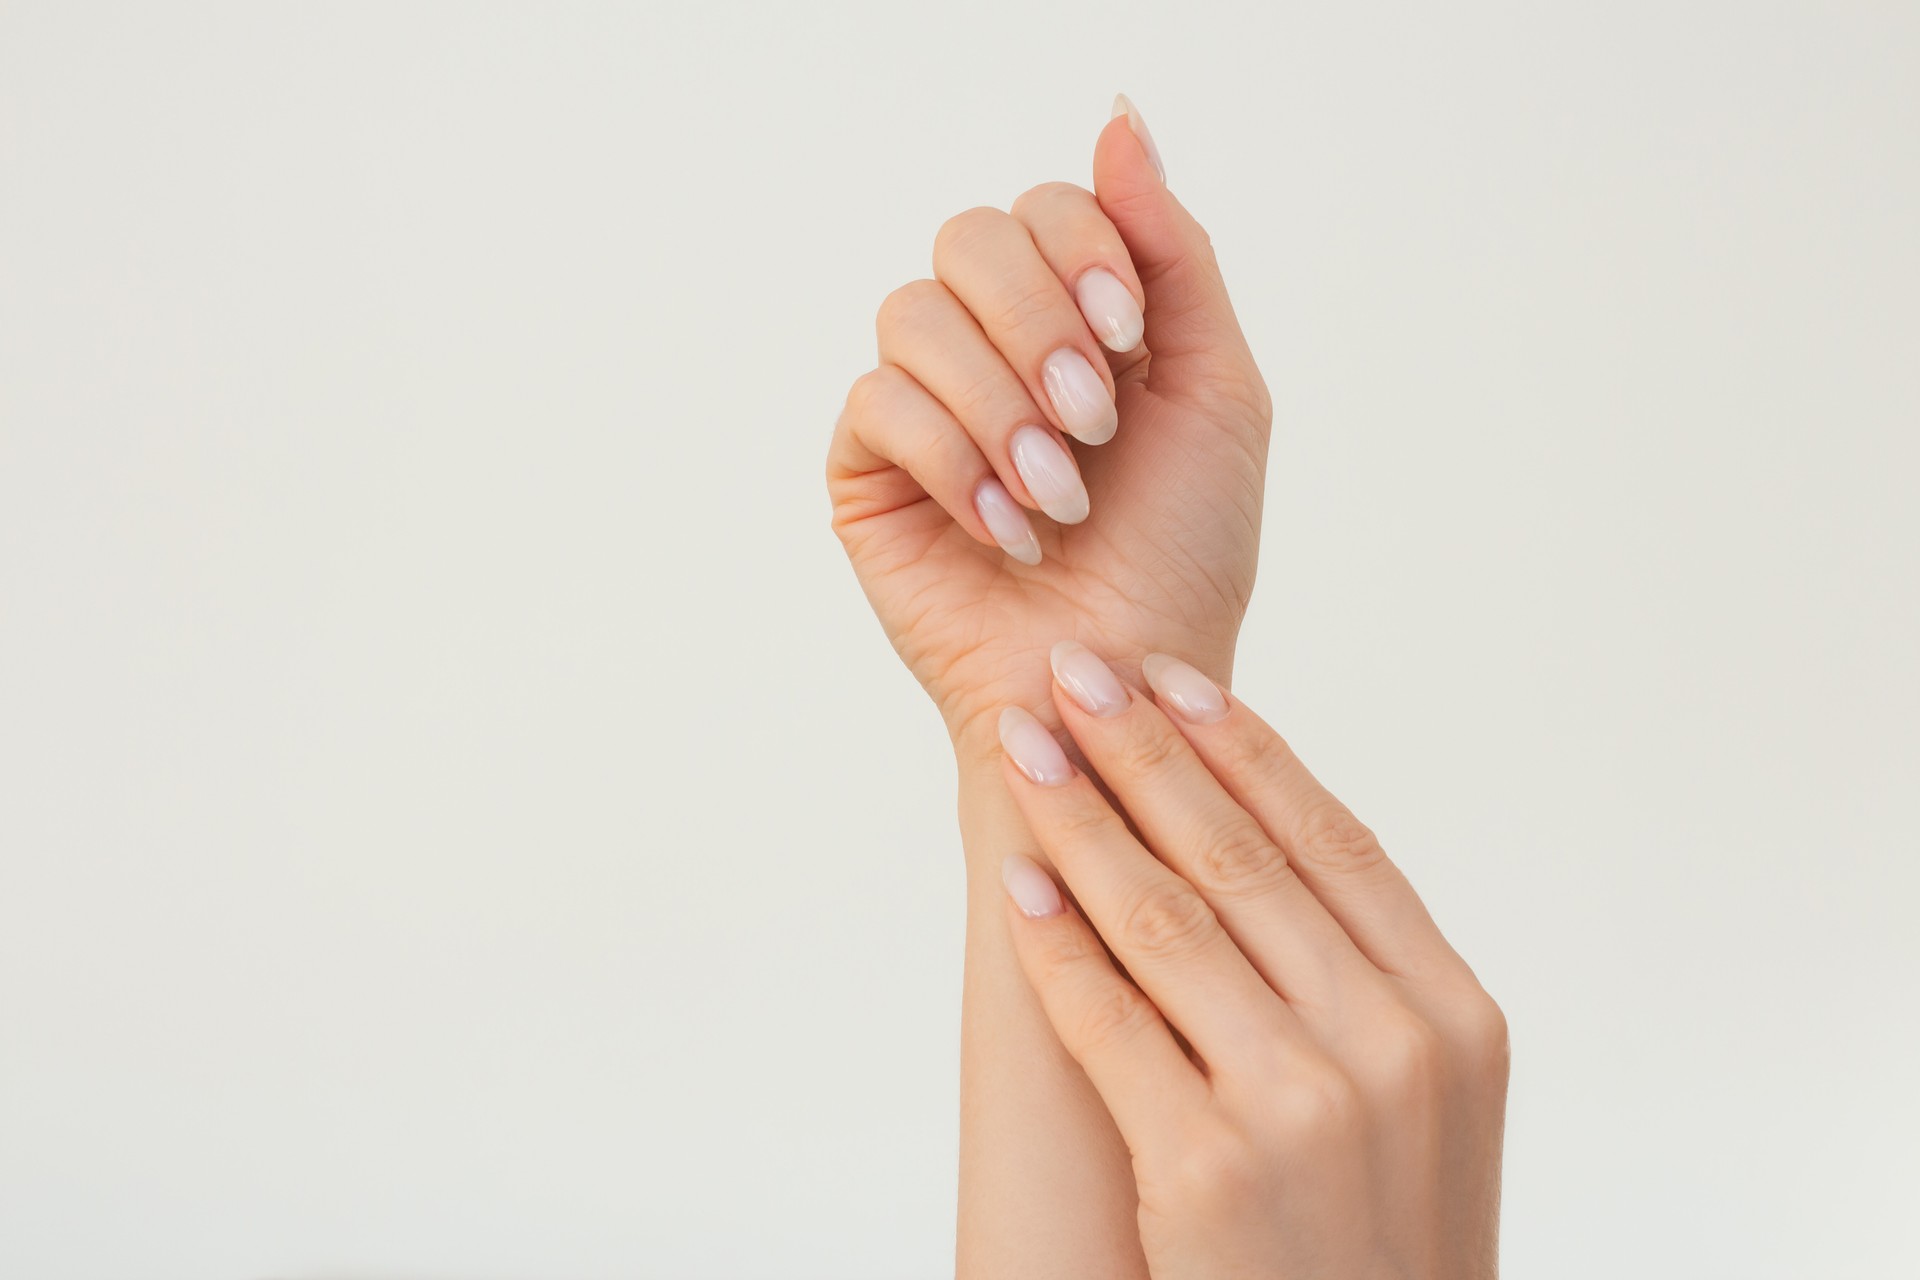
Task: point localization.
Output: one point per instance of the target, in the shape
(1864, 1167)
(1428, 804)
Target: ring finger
(1158, 927)
(925, 330)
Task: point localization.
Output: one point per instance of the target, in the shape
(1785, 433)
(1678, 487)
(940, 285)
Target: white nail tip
(1049, 474)
(1079, 397)
(1123, 106)
(1006, 521)
(1110, 310)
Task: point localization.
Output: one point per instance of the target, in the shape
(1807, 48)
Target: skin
(1334, 1103)
(1164, 561)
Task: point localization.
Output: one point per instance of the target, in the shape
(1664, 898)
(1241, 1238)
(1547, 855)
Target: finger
(1191, 328)
(1112, 1031)
(1333, 853)
(1158, 927)
(1195, 827)
(896, 445)
(990, 262)
(925, 330)
(1085, 250)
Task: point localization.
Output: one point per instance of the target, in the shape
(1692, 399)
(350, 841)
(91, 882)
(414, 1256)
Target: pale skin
(1065, 440)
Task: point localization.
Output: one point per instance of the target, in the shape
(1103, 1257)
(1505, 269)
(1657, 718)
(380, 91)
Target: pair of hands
(1307, 1078)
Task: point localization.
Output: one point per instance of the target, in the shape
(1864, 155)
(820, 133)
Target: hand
(946, 448)
(1339, 1110)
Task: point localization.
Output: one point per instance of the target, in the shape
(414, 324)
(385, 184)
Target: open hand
(1310, 1081)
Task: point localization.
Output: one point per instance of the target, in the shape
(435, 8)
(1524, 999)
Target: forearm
(1046, 1188)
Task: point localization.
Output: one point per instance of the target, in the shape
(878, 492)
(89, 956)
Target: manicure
(1006, 521)
(1089, 681)
(1032, 890)
(1079, 397)
(1047, 469)
(1193, 697)
(1032, 749)
(1110, 310)
(1123, 106)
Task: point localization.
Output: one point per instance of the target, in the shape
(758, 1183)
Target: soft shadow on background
(458, 818)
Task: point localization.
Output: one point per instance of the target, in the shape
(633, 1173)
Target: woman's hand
(1309, 1079)
(954, 489)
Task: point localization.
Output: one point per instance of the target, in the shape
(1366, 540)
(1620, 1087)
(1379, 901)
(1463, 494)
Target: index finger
(1113, 1032)
(1158, 926)
(1331, 850)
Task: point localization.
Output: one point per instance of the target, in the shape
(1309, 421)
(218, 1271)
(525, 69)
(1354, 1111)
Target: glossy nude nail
(1047, 469)
(1110, 310)
(1087, 680)
(1193, 697)
(1006, 521)
(1032, 749)
(1079, 397)
(1032, 890)
(1123, 106)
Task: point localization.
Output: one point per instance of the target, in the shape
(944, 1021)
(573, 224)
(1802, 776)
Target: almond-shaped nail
(1032, 889)
(1006, 521)
(1087, 680)
(1079, 397)
(1123, 106)
(1032, 749)
(1110, 310)
(1193, 697)
(1047, 469)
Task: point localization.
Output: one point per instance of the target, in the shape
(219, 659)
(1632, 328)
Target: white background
(457, 817)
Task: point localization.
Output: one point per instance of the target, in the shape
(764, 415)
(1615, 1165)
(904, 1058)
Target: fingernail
(1087, 680)
(1032, 890)
(1047, 469)
(1079, 397)
(1006, 521)
(1197, 699)
(1032, 749)
(1110, 310)
(1123, 106)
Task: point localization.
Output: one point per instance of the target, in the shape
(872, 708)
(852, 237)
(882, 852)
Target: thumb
(1192, 333)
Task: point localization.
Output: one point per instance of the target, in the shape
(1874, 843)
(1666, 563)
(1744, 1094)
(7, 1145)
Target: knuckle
(1333, 839)
(1319, 1103)
(1079, 825)
(1406, 1055)
(1024, 303)
(967, 230)
(1167, 921)
(1048, 193)
(980, 396)
(1239, 858)
(1482, 1033)
(1249, 751)
(1216, 1167)
(1064, 950)
(869, 391)
(1146, 747)
(1110, 1019)
(910, 305)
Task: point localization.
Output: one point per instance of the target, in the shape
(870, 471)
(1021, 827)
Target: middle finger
(1157, 926)
(1197, 828)
(992, 265)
